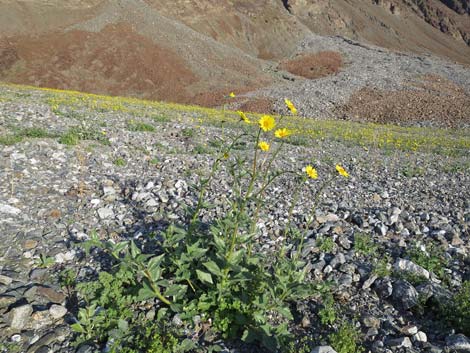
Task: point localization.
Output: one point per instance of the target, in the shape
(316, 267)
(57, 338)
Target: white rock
(57, 311)
(19, 316)
(5, 280)
(7, 209)
(408, 266)
(104, 213)
(16, 338)
(420, 337)
(323, 349)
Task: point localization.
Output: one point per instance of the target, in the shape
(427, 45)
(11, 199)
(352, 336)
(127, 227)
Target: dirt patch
(431, 101)
(120, 61)
(313, 65)
(258, 105)
(8, 55)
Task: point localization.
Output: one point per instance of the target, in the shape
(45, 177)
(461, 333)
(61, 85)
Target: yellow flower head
(341, 171)
(264, 146)
(243, 117)
(281, 133)
(267, 123)
(291, 106)
(311, 172)
(231, 95)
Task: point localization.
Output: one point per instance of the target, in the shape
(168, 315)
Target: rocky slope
(126, 180)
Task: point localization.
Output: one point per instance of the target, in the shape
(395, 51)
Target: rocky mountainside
(196, 51)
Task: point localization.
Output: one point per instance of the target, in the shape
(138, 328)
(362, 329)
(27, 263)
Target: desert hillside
(197, 51)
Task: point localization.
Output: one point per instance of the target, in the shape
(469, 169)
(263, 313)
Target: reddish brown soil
(8, 55)
(432, 100)
(258, 105)
(314, 65)
(120, 61)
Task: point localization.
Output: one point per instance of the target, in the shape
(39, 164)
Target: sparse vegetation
(346, 339)
(140, 126)
(363, 244)
(120, 162)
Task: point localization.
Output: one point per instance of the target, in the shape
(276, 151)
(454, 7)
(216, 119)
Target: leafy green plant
(44, 261)
(8, 140)
(363, 244)
(139, 126)
(346, 339)
(382, 267)
(326, 244)
(120, 162)
(432, 259)
(188, 132)
(457, 311)
(328, 313)
(211, 270)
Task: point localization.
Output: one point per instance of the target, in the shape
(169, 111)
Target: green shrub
(346, 339)
(212, 270)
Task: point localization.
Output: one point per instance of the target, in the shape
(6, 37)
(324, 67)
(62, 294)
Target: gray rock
(20, 316)
(57, 311)
(371, 321)
(9, 210)
(401, 342)
(409, 330)
(323, 349)
(403, 265)
(105, 213)
(459, 343)
(435, 291)
(404, 295)
(5, 280)
(420, 336)
(6, 300)
(383, 287)
(369, 282)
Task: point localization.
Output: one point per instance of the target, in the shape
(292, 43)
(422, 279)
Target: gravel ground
(52, 196)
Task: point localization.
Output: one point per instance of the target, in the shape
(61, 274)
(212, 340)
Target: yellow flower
(264, 146)
(267, 123)
(243, 117)
(281, 133)
(291, 106)
(311, 172)
(341, 171)
(231, 95)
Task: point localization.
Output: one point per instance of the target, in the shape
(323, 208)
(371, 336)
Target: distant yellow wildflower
(231, 95)
(264, 146)
(243, 117)
(267, 123)
(341, 171)
(291, 106)
(281, 133)
(311, 172)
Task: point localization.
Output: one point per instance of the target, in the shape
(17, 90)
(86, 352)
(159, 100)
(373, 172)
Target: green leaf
(204, 277)
(134, 250)
(285, 312)
(175, 290)
(78, 328)
(123, 325)
(146, 292)
(219, 243)
(213, 268)
(161, 314)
